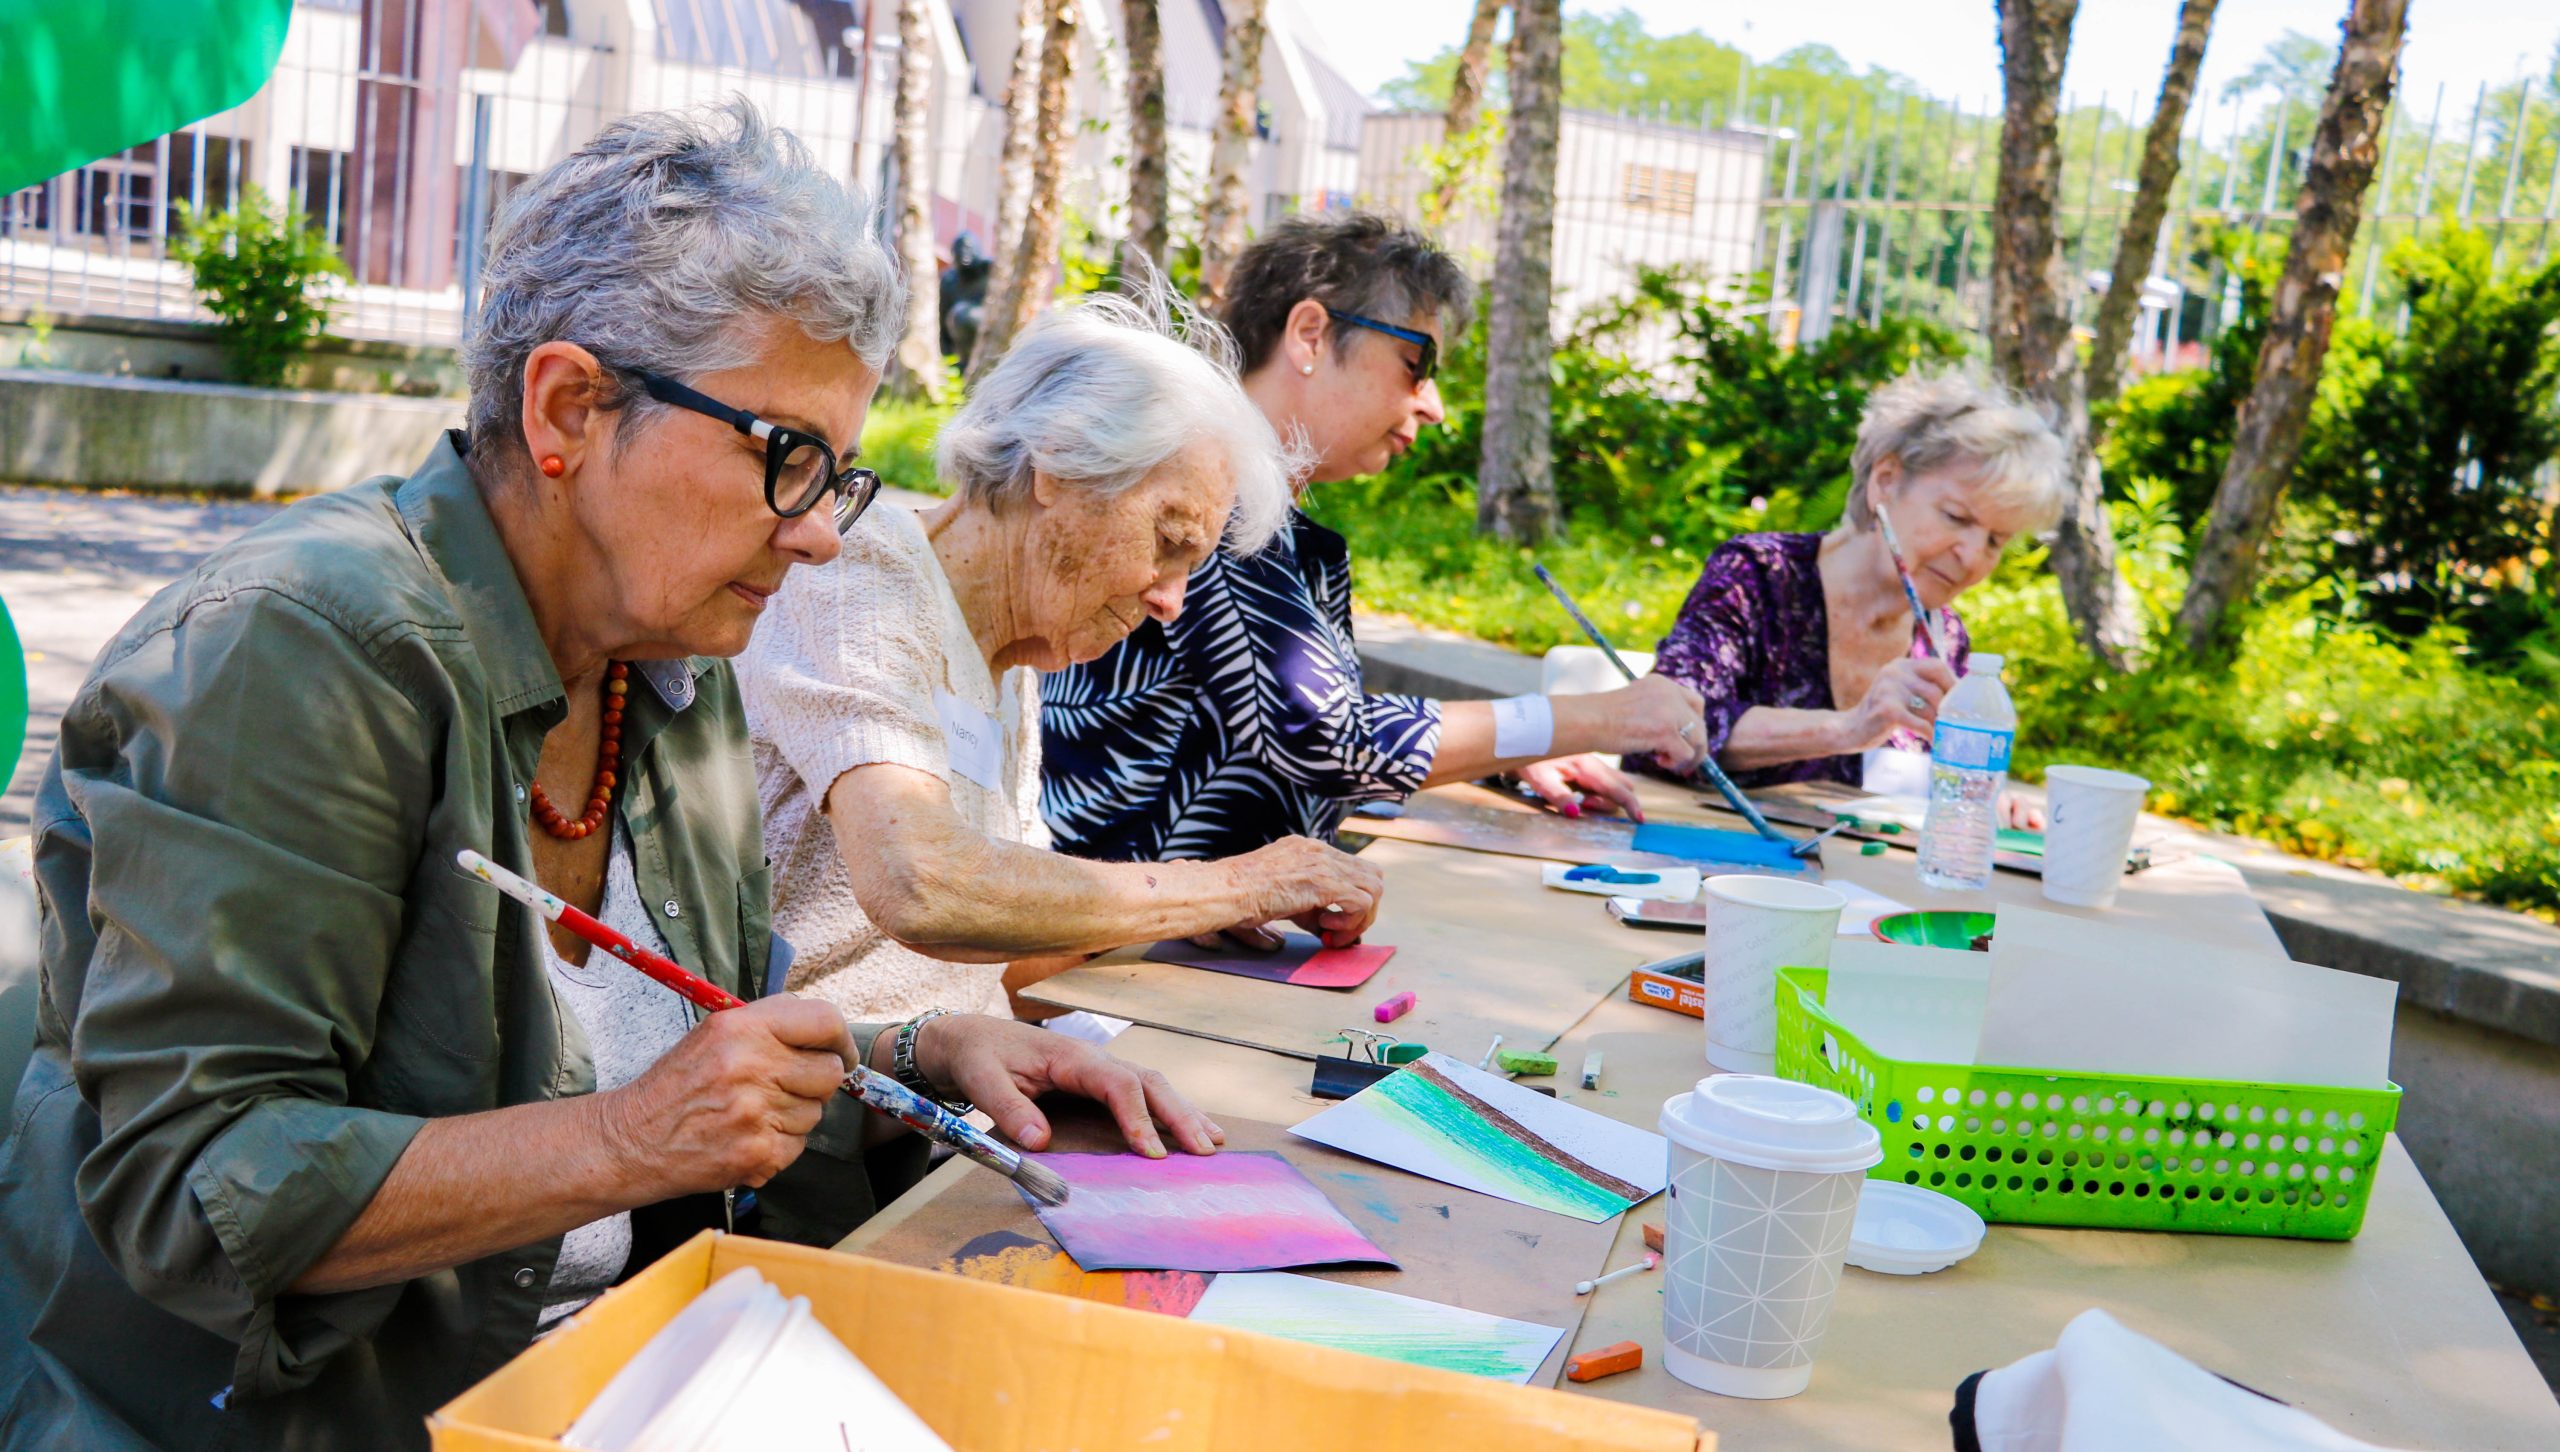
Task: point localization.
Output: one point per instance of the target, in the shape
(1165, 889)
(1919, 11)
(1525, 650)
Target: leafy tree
(258, 267)
(2429, 464)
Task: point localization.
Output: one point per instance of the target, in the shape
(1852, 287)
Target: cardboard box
(1680, 995)
(998, 1369)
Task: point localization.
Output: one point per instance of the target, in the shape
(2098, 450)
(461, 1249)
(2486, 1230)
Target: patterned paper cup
(2089, 819)
(1765, 1177)
(1756, 926)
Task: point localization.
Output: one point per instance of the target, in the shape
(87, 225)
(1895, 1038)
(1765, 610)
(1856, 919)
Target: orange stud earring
(553, 466)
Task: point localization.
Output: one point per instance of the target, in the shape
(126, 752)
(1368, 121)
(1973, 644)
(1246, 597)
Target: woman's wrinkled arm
(946, 889)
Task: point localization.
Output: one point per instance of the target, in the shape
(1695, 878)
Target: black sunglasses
(799, 468)
(1425, 369)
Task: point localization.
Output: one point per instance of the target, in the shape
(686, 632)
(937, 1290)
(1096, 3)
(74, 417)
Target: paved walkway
(74, 567)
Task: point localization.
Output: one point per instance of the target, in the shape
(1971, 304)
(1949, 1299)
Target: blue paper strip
(1712, 844)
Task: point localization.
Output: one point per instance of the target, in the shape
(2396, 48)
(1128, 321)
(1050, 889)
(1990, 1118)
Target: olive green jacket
(262, 974)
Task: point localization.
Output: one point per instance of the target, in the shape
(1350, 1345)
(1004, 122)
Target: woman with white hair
(1803, 645)
(317, 1130)
(894, 693)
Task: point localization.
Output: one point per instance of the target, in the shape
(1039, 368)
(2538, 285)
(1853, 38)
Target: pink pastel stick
(1393, 1009)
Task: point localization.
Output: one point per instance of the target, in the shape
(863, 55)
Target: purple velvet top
(1755, 632)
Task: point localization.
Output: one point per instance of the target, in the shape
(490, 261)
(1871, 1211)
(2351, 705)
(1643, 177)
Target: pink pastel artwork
(1239, 1210)
(1300, 959)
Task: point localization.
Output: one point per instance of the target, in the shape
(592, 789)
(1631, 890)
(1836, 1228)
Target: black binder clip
(1360, 1066)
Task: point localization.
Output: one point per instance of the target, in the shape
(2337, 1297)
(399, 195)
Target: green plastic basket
(2118, 1151)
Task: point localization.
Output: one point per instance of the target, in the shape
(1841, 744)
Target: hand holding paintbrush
(872, 1087)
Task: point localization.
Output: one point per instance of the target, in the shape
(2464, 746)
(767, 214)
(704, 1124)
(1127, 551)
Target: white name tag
(975, 741)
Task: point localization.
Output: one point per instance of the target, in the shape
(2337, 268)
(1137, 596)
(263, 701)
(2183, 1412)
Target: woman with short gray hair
(895, 700)
(318, 1130)
(1803, 645)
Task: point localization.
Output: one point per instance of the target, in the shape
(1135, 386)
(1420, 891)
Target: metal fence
(399, 128)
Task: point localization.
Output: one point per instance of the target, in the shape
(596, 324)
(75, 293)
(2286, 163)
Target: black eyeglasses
(1423, 370)
(799, 468)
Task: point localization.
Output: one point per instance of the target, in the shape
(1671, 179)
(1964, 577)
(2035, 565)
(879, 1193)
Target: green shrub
(897, 442)
(2425, 461)
(257, 269)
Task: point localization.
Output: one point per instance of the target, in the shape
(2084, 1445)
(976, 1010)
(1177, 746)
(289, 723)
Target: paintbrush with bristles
(873, 1088)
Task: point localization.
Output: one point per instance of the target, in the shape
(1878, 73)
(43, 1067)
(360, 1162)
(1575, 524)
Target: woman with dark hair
(1245, 720)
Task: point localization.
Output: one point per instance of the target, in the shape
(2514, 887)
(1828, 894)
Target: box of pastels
(2101, 1149)
(879, 1356)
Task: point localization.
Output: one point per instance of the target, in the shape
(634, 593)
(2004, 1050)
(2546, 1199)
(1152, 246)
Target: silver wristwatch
(902, 1062)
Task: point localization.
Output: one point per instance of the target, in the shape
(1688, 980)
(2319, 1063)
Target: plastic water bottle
(1968, 760)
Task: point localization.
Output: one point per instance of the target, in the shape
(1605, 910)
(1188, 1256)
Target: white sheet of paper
(1888, 772)
(1918, 1005)
(1377, 1323)
(974, 739)
(1676, 884)
(1858, 919)
(1380, 1123)
(2075, 993)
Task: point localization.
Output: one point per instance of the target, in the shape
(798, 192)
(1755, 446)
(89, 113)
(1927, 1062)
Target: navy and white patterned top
(1756, 631)
(1240, 723)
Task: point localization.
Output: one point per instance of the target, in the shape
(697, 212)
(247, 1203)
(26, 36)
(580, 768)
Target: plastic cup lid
(1774, 1124)
(1904, 1230)
(2096, 776)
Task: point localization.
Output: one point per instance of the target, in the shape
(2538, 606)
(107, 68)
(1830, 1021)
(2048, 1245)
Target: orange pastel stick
(1652, 1237)
(1607, 1361)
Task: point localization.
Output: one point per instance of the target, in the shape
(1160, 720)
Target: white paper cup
(1756, 926)
(1765, 1178)
(2089, 818)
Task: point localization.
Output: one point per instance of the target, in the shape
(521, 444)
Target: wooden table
(2392, 1337)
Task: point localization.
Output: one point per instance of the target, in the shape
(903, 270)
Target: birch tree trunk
(1222, 226)
(2141, 236)
(920, 346)
(1150, 178)
(1033, 275)
(1013, 166)
(1466, 108)
(1515, 481)
(1466, 89)
(2305, 305)
(2031, 322)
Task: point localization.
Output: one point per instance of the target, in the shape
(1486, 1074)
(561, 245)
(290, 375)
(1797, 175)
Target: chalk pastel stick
(1393, 1009)
(1652, 1236)
(1607, 1361)
(1591, 1070)
(1525, 1061)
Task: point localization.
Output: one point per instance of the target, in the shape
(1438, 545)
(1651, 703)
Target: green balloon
(13, 697)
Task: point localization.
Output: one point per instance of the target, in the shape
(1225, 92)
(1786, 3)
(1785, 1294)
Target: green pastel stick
(1526, 1061)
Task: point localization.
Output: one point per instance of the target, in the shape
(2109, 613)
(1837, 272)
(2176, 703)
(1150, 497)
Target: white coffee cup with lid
(1765, 1179)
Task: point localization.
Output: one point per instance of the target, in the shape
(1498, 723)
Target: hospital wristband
(1523, 726)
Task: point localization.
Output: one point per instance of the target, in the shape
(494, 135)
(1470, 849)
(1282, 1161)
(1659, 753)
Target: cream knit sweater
(842, 672)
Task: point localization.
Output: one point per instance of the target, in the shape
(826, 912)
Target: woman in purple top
(1803, 645)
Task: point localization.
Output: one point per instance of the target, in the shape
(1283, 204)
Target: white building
(1631, 193)
(384, 117)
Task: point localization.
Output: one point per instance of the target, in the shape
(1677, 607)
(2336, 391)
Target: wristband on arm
(1523, 726)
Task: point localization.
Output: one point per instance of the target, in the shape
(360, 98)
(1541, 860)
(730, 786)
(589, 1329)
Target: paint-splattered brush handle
(940, 1125)
(865, 1083)
(1910, 592)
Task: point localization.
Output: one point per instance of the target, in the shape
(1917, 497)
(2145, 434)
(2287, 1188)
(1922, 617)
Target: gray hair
(1932, 421)
(1099, 394)
(661, 245)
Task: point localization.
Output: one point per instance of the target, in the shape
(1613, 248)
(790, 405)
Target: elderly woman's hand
(732, 1103)
(1565, 783)
(1656, 715)
(1321, 888)
(1904, 697)
(1001, 1066)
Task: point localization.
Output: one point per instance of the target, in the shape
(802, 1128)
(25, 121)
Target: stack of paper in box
(2074, 995)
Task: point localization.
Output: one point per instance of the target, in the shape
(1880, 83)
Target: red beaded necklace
(608, 762)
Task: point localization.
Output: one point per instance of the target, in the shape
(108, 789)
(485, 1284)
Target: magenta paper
(1238, 1210)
